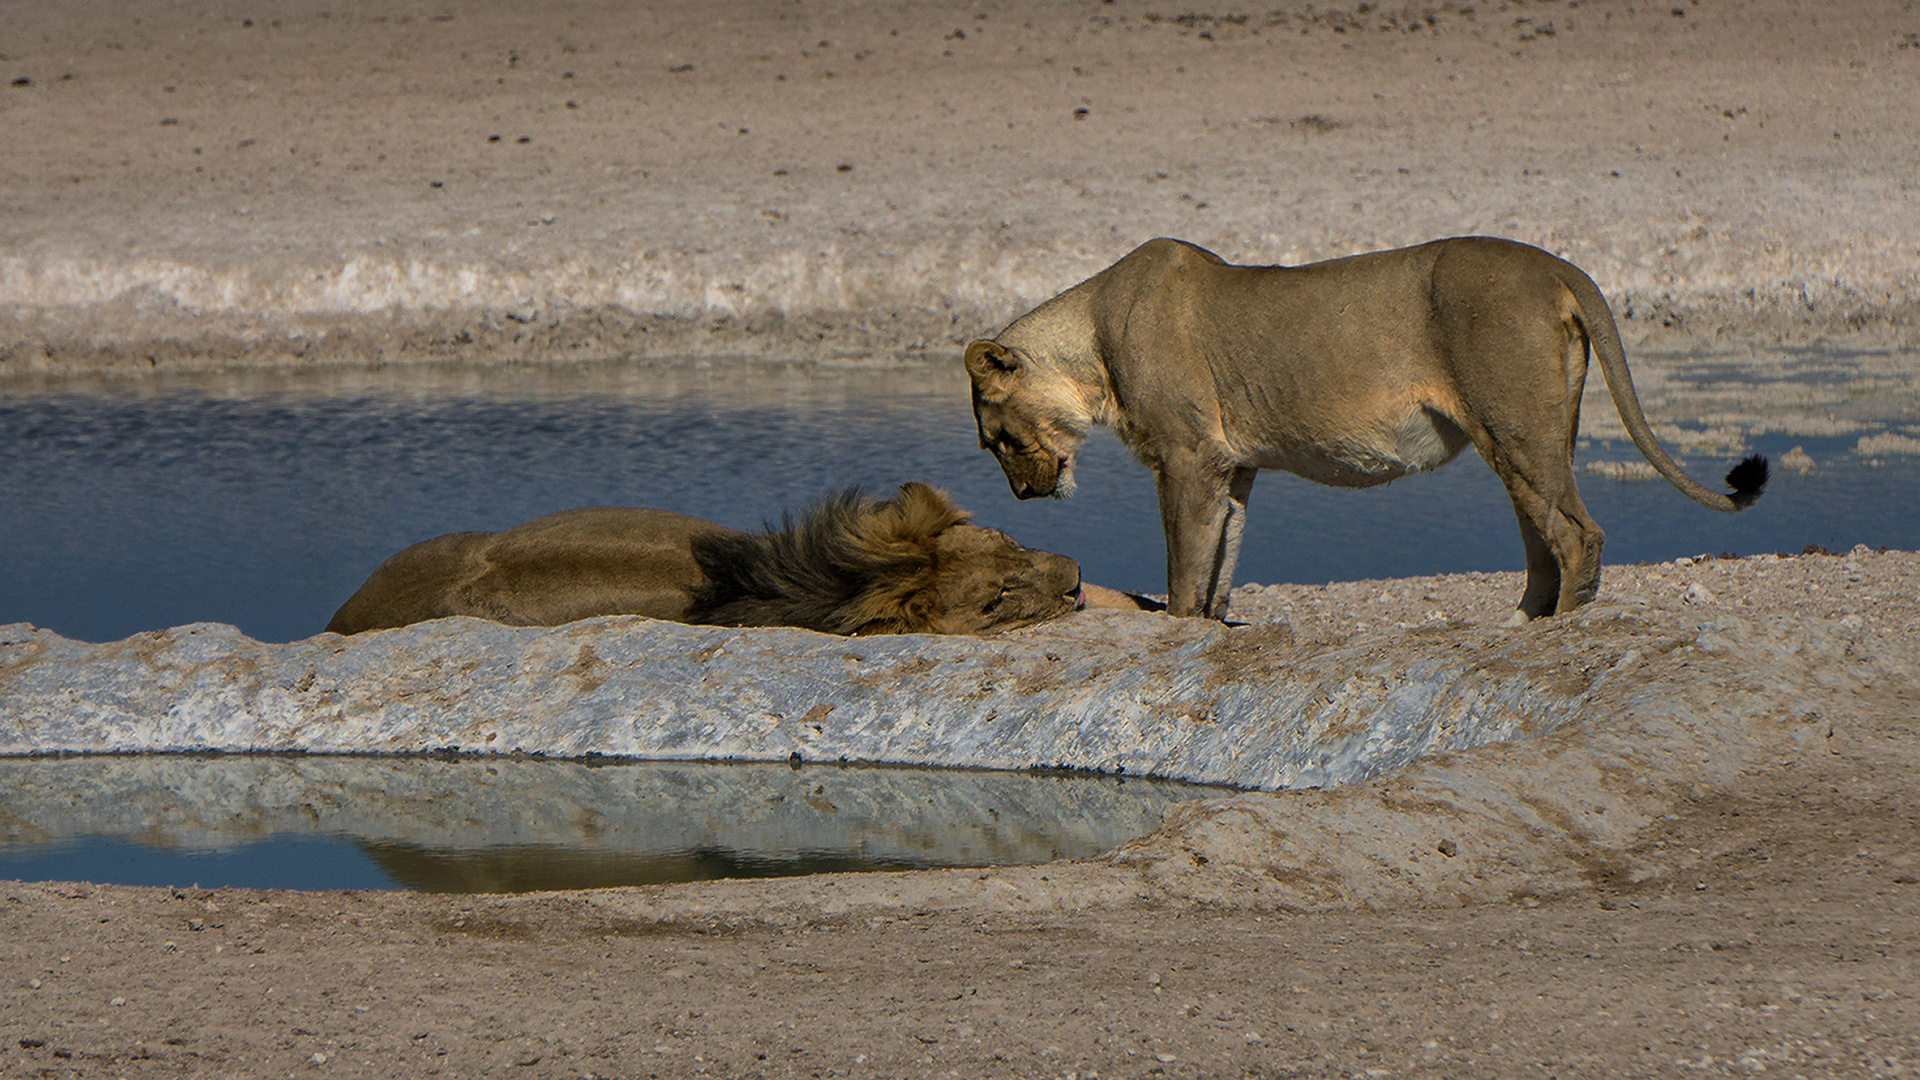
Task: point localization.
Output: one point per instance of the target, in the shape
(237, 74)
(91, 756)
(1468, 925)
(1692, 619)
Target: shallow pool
(504, 824)
(265, 500)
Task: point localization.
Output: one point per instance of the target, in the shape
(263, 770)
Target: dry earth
(1767, 923)
(313, 181)
(1763, 921)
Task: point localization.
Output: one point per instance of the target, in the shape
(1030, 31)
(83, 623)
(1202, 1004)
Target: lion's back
(574, 564)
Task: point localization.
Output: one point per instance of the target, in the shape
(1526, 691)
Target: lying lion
(850, 565)
(1351, 372)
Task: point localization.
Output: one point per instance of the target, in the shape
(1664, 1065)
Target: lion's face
(985, 581)
(1029, 431)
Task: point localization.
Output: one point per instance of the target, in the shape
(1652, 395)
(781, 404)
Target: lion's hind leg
(1563, 547)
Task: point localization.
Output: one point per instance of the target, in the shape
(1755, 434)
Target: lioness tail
(1747, 479)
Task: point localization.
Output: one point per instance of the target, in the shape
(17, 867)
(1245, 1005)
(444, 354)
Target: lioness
(849, 565)
(1351, 372)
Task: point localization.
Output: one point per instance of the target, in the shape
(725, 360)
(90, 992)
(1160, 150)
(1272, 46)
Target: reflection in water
(512, 869)
(265, 500)
(512, 824)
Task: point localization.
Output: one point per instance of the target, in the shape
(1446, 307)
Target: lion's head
(1034, 426)
(855, 565)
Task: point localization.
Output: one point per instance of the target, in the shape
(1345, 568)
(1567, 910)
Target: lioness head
(906, 565)
(1033, 424)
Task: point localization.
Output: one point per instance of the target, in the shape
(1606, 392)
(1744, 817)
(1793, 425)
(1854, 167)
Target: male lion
(850, 565)
(1351, 372)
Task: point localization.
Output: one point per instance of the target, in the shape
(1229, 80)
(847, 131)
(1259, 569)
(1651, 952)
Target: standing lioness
(1351, 372)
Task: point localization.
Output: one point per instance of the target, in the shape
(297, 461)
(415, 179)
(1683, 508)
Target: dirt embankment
(1714, 875)
(1717, 879)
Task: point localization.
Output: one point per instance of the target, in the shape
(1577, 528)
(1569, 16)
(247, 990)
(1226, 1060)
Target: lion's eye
(995, 602)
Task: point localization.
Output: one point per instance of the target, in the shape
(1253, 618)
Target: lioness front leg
(1203, 506)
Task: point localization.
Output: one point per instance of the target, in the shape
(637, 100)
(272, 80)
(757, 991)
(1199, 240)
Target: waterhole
(265, 500)
(519, 825)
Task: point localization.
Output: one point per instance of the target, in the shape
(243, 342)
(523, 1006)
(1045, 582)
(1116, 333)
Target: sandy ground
(316, 182)
(1762, 920)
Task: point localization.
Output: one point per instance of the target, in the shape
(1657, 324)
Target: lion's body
(1350, 372)
(849, 565)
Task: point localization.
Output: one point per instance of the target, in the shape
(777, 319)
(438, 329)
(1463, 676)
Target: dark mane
(850, 563)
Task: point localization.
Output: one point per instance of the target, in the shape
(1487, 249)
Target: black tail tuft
(1747, 479)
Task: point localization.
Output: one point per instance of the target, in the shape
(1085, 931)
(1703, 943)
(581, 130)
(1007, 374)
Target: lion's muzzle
(1038, 476)
(1029, 491)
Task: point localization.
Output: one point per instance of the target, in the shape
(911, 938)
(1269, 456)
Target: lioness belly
(1375, 453)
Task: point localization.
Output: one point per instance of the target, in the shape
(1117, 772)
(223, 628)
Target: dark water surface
(265, 501)
(518, 824)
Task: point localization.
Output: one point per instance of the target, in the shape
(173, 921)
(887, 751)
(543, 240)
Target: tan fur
(850, 565)
(1351, 372)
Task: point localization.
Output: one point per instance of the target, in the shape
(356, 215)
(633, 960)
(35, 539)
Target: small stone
(33, 984)
(118, 1001)
(318, 1058)
(1697, 594)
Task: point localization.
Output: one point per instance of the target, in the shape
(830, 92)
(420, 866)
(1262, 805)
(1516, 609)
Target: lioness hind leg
(1543, 571)
(1563, 548)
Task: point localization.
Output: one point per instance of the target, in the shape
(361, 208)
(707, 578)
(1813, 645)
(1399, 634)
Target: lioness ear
(991, 363)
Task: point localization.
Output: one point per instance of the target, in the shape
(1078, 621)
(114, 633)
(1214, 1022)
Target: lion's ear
(918, 613)
(992, 365)
(926, 511)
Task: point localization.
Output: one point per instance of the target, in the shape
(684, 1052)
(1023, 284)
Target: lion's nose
(1032, 489)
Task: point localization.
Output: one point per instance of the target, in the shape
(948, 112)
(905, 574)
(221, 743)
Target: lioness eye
(995, 602)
